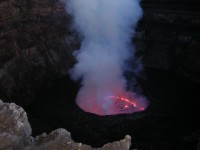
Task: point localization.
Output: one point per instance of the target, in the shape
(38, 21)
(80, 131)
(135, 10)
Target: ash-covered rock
(15, 134)
(60, 139)
(15, 130)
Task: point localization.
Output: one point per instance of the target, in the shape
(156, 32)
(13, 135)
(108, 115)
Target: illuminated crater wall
(107, 27)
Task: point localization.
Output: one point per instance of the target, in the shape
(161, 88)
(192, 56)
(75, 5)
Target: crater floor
(170, 122)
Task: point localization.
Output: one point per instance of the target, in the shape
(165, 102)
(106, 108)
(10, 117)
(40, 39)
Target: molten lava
(124, 100)
(124, 103)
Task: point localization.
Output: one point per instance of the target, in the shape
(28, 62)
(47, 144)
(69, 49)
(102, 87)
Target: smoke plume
(107, 27)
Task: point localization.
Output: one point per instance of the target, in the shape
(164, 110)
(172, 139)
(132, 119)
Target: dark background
(36, 45)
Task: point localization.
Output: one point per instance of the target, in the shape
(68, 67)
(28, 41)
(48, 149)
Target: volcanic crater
(170, 122)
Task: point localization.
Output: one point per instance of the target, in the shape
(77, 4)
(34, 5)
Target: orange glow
(124, 99)
(121, 103)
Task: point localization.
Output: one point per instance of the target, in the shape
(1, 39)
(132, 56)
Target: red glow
(142, 109)
(123, 99)
(121, 103)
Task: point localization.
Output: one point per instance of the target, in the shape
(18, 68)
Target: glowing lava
(123, 99)
(126, 104)
(107, 28)
(123, 103)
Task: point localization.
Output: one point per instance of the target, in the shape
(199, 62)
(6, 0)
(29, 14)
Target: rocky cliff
(15, 134)
(36, 43)
(35, 47)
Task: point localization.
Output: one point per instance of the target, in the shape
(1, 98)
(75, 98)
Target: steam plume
(107, 27)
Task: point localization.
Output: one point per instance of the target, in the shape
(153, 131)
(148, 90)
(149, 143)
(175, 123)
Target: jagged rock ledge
(15, 133)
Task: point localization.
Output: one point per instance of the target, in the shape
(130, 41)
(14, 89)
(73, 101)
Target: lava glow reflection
(126, 105)
(112, 105)
(125, 100)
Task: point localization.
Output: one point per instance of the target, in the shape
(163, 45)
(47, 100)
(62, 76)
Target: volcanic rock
(61, 139)
(15, 134)
(36, 43)
(168, 36)
(15, 130)
(35, 47)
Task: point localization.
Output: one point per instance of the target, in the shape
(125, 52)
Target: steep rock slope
(35, 47)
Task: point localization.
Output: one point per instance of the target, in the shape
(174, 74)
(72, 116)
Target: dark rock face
(15, 134)
(168, 36)
(36, 47)
(36, 43)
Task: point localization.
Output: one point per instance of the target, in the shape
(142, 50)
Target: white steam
(107, 27)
